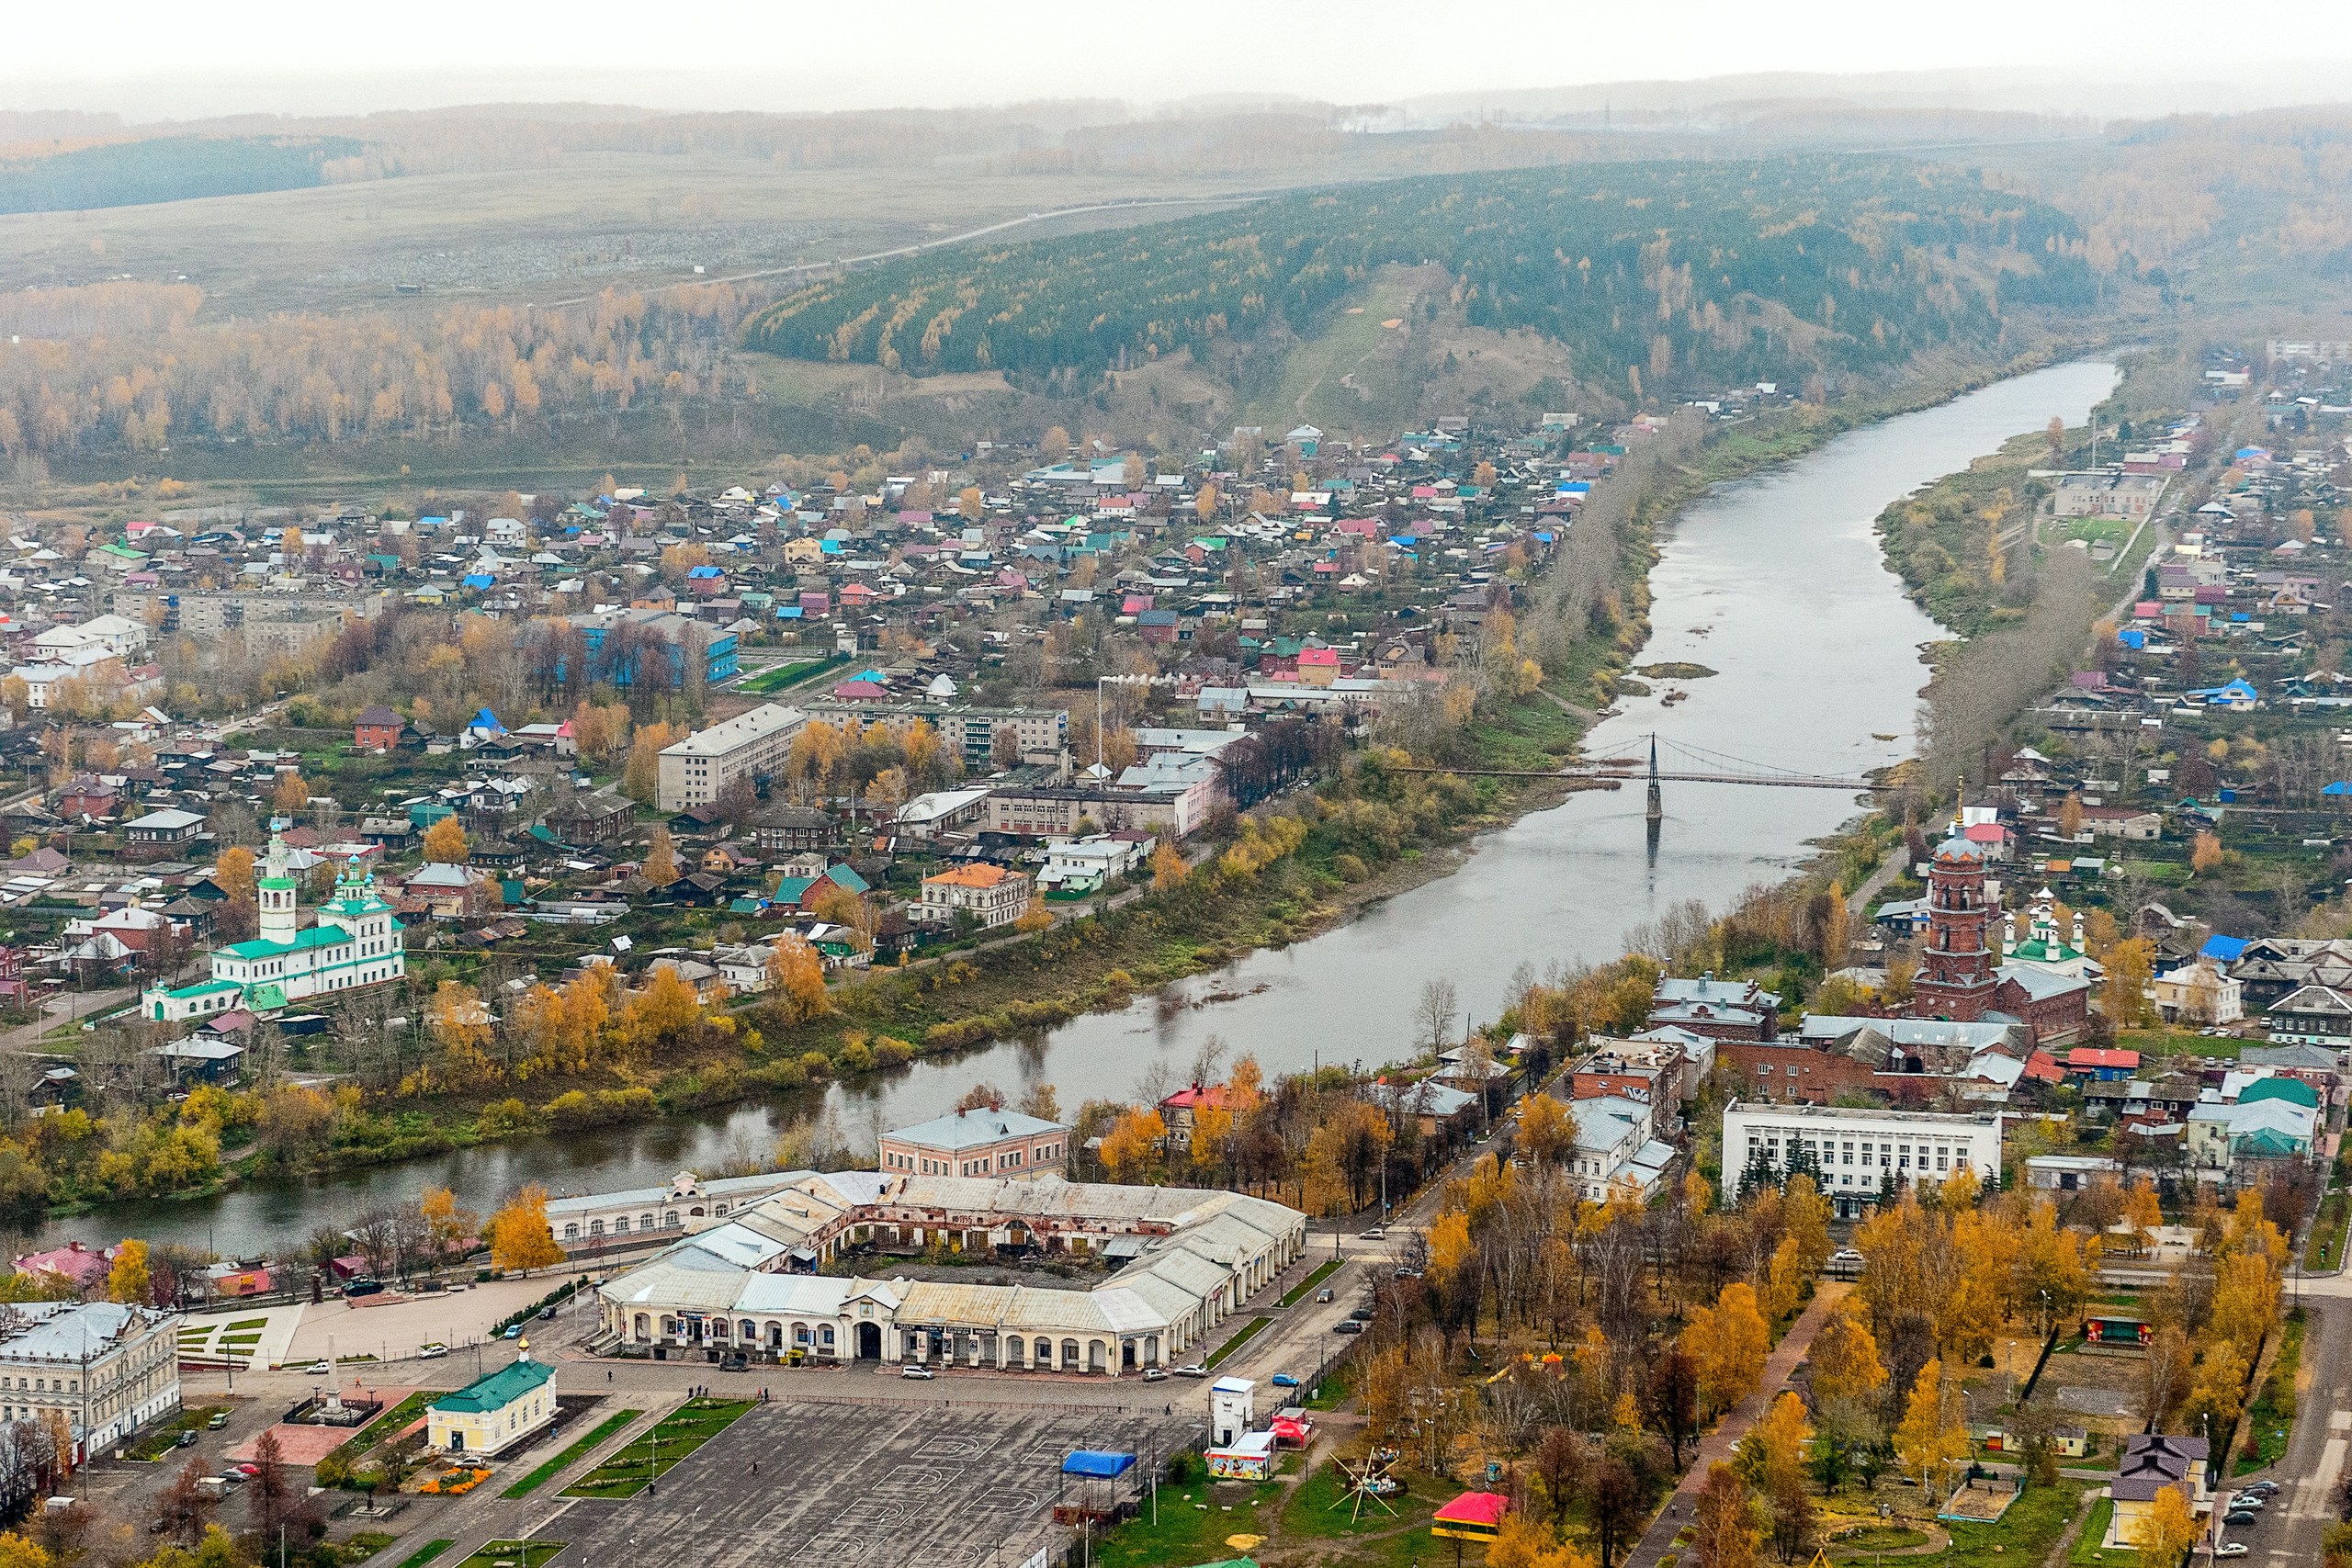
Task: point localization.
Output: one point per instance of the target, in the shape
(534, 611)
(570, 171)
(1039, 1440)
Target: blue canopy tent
(1089, 1510)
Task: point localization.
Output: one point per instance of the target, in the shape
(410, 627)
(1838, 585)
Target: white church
(356, 942)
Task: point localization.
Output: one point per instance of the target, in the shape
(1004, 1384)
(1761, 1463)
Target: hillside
(1662, 274)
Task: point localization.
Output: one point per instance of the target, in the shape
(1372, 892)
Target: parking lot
(851, 1482)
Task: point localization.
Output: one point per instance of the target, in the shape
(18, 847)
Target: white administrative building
(1191, 1258)
(356, 942)
(1856, 1154)
(698, 770)
(99, 1369)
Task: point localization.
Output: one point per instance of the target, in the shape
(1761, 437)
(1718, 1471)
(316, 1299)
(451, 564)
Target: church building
(356, 942)
(2045, 985)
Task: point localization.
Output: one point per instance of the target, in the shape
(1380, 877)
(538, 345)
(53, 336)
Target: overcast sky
(148, 58)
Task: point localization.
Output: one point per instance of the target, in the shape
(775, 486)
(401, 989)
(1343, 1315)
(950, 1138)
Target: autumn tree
(292, 795)
(1729, 1341)
(1932, 1435)
(2129, 965)
(661, 868)
(460, 1022)
(445, 843)
(1169, 868)
(518, 1234)
(1845, 1358)
(1035, 918)
(2205, 852)
(1723, 1525)
(2167, 1529)
(661, 1010)
(126, 1281)
(1133, 1143)
(2070, 816)
(796, 978)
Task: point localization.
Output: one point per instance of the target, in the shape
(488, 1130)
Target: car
(1191, 1369)
(921, 1374)
(2250, 1499)
(2237, 1516)
(1847, 1255)
(432, 1352)
(185, 1440)
(1347, 1326)
(2231, 1549)
(247, 1468)
(217, 1421)
(1375, 1233)
(1155, 1374)
(1283, 1380)
(512, 1331)
(320, 1369)
(1323, 1295)
(235, 1477)
(1362, 1314)
(547, 1314)
(1408, 1273)
(2262, 1488)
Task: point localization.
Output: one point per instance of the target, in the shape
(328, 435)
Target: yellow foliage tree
(292, 795)
(1932, 1435)
(445, 843)
(459, 1023)
(128, 1280)
(1169, 868)
(2205, 852)
(518, 1235)
(1729, 1342)
(661, 868)
(796, 978)
(2164, 1533)
(661, 1010)
(1035, 918)
(2130, 967)
(1133, 1144)
(1845, 1358)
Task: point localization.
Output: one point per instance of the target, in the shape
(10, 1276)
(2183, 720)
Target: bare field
(539, 234)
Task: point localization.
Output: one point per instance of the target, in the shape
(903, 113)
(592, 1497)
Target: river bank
(1521, 881)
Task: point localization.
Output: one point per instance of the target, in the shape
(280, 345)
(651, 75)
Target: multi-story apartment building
(968, 733)
(698, 770)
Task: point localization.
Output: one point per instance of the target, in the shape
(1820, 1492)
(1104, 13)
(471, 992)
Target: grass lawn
(1194, 1521)
(2088, 1554)
(678, 1434)
(2324, 1247)
(1307, 1287)
(391, 1421)
(2271, 1418)
(1239, 1340)
(427, 1553)
(522, 1553)
(2024, 1535)
(547, 1472)
(165, 1439)
(1319, 1510)
(781, 675)
(2175, 1042)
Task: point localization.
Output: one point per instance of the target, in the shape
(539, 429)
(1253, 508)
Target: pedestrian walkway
(1657, 1542)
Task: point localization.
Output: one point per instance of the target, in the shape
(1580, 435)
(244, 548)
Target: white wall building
(103, 1369)
(1191, 1259)
(698, 770)
(1857, 1153)
(356, 942)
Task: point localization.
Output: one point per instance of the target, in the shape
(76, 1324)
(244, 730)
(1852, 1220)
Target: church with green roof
(354, 941)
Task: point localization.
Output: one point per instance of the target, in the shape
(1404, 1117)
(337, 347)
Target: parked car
(2250, 1499)
(1283, 1380)
(2238, 1516)
(1361, 1314)
(320, 1369)
(1191, 1369)
(1347, 1326)
(735, 1362)
(432, 1352)
(512, 1331)
(235, 1477)
(1848, 1257)
(1155, 1374)
(547, 1314)
(185, 1440)
(1375, 1233)
(217, 1421)
(2231, 1549)
(921, 1374)
(2263, 1488)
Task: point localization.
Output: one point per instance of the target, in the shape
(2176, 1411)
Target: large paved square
(913, 1484)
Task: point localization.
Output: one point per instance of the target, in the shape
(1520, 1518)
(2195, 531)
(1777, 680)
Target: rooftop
(972, 1130)
(496, 1390)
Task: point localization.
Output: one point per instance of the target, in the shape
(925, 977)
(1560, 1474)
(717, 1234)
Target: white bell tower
(276, 892)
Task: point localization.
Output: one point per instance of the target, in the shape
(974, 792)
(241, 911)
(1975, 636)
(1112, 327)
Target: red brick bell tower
(1955, 980)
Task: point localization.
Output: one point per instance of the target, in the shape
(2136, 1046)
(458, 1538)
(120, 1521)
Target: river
(1775, 582)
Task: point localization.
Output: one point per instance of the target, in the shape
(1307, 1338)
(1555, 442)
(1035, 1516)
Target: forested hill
(1664, 272)
(165, 168)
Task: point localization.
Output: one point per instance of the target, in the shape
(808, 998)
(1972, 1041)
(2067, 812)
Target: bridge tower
(1658, 800)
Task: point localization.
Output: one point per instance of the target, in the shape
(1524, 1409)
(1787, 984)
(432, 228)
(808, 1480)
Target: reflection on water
(1776, 582)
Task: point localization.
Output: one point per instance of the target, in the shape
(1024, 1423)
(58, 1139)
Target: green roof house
(496, 1411)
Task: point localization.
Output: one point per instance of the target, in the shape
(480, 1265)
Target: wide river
(1775, 582)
